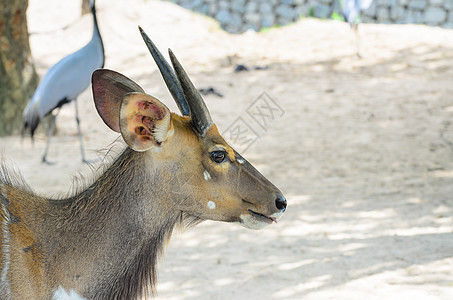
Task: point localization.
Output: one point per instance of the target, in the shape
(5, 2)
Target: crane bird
(351, 12)
(63, 82)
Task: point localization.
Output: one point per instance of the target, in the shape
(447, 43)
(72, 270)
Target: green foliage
(267, 29)
(337, 16)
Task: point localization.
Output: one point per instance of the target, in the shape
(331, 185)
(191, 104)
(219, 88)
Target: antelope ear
(145, 122)
(109, 87)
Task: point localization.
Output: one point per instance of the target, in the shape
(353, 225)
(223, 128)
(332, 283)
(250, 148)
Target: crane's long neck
(96, 33)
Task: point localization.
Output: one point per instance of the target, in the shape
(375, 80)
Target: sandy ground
(363, 151)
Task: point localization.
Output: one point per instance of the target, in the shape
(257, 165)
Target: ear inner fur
(109, 87)
(144, 121)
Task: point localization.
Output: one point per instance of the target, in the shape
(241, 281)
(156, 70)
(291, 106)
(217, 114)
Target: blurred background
(349, 112)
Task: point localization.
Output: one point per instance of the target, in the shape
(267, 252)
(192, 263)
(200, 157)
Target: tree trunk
(18, 78)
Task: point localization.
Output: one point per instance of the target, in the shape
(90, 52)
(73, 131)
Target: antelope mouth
(261, 216)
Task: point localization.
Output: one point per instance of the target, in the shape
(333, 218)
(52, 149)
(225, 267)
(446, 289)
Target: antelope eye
(218, 156)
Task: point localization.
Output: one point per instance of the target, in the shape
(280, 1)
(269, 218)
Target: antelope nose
(280, 203)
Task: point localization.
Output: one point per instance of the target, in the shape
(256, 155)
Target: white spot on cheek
(206, 175)
(240, 160)
(211, 204)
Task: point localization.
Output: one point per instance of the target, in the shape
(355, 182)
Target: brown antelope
(103, 242)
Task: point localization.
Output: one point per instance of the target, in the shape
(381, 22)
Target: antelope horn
(168, 75)
(200, 117)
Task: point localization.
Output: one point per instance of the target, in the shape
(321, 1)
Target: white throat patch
(61, 294)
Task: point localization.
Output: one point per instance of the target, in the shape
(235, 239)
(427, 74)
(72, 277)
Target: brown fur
(103, 242)
(50, 235)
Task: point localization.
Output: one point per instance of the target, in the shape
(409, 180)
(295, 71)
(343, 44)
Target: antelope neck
(116, 200)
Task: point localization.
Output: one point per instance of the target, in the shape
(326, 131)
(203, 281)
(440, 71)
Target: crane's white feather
(351, 8)
(65, 80)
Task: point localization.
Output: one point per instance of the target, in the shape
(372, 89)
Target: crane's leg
(80, 132)
(49, 136)
(355, 28)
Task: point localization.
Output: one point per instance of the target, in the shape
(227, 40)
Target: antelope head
(202, 175)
